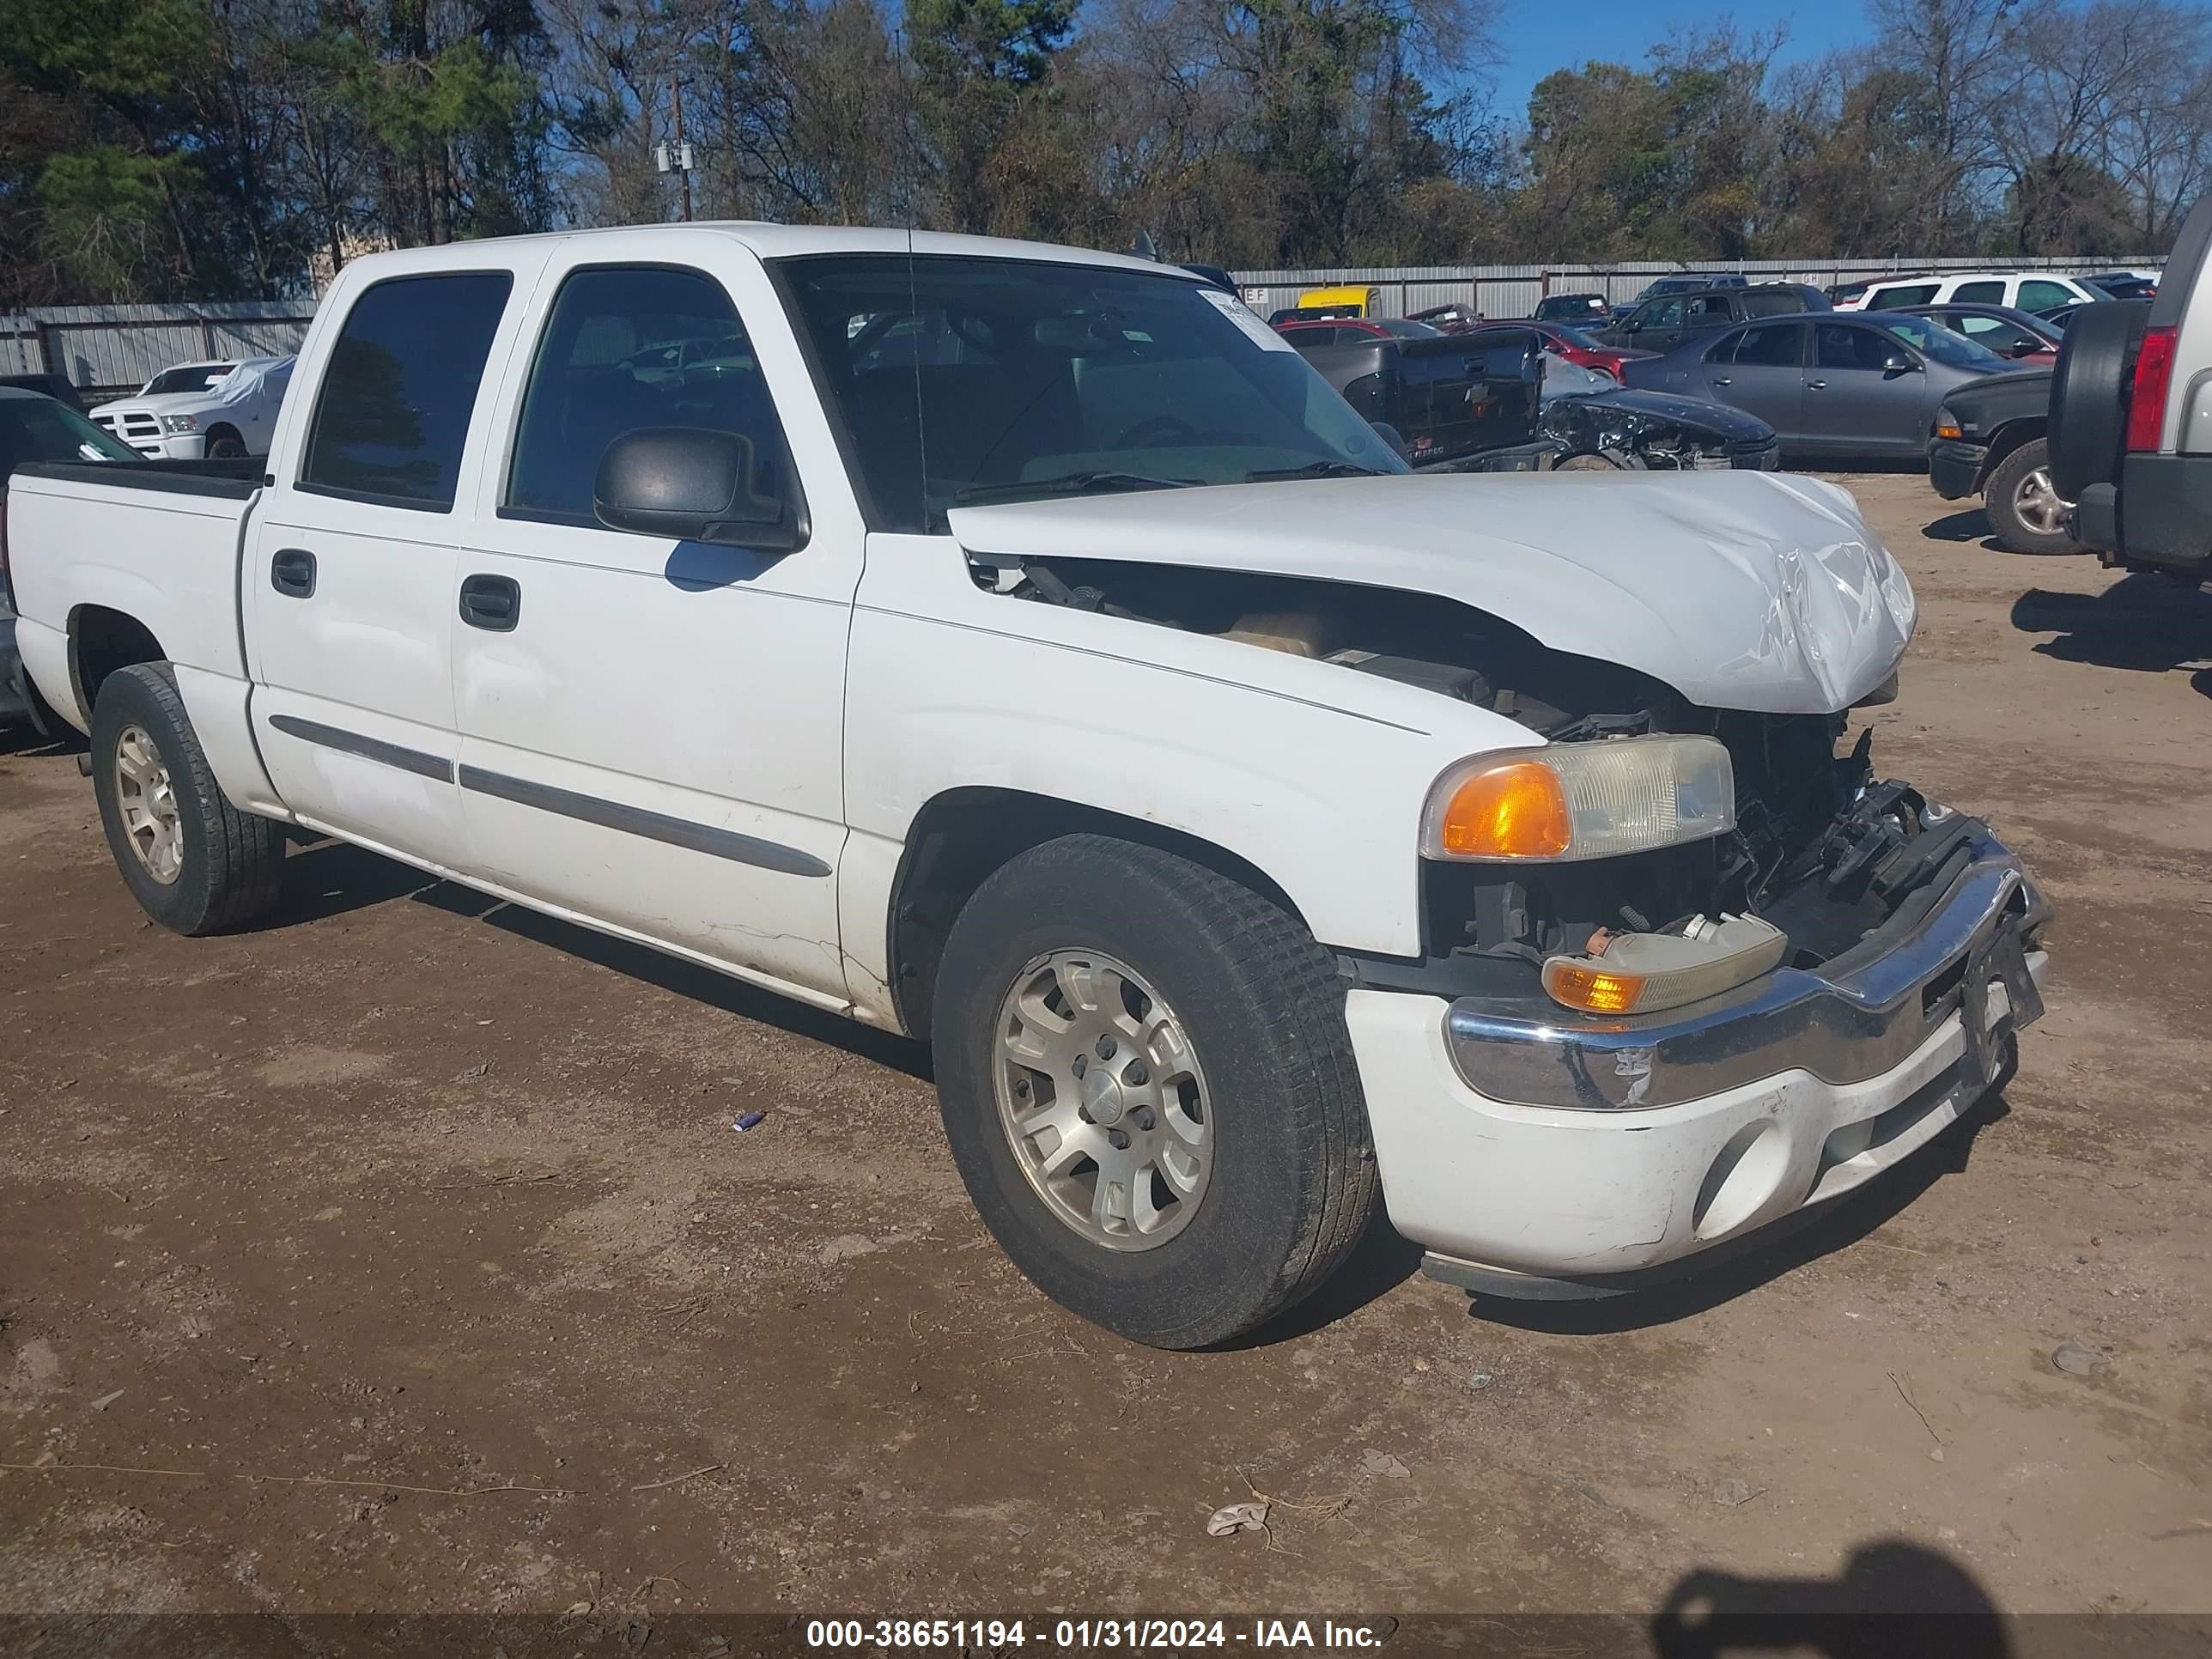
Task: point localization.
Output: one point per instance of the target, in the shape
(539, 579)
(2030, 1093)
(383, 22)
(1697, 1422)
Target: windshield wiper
(1068, 483)
(1316, 470)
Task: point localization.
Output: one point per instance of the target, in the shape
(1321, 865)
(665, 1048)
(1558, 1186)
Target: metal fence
(111, 350)
(1513, 290)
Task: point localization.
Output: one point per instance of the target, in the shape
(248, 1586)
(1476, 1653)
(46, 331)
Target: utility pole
(682, 149)
(677, 157)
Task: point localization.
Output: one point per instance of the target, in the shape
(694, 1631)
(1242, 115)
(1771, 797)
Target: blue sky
(1535, 39)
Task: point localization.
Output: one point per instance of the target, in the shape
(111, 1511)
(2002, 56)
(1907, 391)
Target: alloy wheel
(1103, 1100)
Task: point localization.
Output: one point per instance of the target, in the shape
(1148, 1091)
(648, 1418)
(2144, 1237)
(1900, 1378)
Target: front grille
(132, 426)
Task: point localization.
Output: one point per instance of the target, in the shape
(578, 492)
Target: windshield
(965, 379)
(1931, 339)
(1408, 328)
(41, 430)
(198, 377)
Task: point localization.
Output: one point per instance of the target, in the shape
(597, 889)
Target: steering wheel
(1156, 431)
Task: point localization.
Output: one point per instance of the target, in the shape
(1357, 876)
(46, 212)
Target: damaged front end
(1809, 862)
(1659, 431)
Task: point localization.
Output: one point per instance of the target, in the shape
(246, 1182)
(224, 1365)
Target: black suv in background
(2130, 446)
(1662, 323)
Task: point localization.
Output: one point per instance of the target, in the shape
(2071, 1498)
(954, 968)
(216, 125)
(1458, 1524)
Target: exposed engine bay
(1628, 426)
(1820, 850)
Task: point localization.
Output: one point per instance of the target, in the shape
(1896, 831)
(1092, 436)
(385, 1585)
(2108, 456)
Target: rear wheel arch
(100, 640)
(963, 836)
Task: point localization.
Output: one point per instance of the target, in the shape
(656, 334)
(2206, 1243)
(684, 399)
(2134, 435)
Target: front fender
(1310, 773)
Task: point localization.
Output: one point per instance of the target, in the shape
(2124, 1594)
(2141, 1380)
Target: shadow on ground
(1972, 525)
(2146, 622)
(1893, 1600)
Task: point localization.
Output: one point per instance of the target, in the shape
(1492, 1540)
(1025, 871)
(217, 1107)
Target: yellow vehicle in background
(1350, 301)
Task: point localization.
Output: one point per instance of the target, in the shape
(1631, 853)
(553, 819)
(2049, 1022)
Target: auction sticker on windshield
(1243, 316)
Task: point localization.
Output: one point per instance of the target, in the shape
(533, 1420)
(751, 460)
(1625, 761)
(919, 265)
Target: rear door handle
(1816, 385)
(292, 573)
(491, 603)
(1723, 380)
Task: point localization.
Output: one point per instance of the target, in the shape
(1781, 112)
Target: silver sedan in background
(1833, 384)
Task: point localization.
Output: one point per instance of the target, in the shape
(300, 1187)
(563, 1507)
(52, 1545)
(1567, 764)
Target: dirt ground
(401, 1256)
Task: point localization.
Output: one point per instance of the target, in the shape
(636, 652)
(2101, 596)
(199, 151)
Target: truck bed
(157, 542)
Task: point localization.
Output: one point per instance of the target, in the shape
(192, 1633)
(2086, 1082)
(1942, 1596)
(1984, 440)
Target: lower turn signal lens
(1592, 988)
(1643, 973)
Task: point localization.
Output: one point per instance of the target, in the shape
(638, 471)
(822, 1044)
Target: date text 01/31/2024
(1088, 1633)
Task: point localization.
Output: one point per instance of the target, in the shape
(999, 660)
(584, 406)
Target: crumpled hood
(1693, 414)
(1743, 590)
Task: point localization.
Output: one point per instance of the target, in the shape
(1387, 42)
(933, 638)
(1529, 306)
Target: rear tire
(2026, 512)
(1191, 976)
(194, 862)
(1592, 462)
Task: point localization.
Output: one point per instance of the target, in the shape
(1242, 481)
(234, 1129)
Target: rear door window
(1894, 297)
(1979, 294)
(2037, 294)
(393, 413)
(1839, 346)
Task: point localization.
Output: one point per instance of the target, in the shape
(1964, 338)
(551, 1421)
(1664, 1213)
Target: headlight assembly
(1580, 800)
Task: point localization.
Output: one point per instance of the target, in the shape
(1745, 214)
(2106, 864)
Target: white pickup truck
(1024, 649)
(215, 410)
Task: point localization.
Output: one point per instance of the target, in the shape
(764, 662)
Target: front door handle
(292, 573)
(1816, 385)
(491, 603)
(1723, 380)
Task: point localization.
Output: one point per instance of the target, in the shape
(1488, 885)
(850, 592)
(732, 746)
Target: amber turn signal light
(1513, 810)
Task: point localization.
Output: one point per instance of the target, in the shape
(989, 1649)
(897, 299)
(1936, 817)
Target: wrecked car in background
(1496, 400)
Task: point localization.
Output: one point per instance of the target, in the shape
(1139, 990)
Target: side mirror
(694, 485)
(1395, 439)
(1898, 363)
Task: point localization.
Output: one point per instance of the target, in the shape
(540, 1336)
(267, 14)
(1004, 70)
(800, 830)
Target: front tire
(2026, 512)
(194, 862)
(1095, 989)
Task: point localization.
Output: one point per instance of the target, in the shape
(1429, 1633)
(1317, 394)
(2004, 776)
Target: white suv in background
(214, 409)
(2023, 291)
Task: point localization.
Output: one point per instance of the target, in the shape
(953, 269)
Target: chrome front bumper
(1854, 1018)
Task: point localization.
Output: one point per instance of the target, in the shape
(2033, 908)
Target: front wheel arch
(963, 836)
(2008, 438)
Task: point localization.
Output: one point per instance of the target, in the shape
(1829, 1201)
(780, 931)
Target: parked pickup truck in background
(220, 410)
(1991, 441)
(1024, 649)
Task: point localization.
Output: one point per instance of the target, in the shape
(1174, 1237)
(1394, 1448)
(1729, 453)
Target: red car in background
(1574, 344)
(1344, 330)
